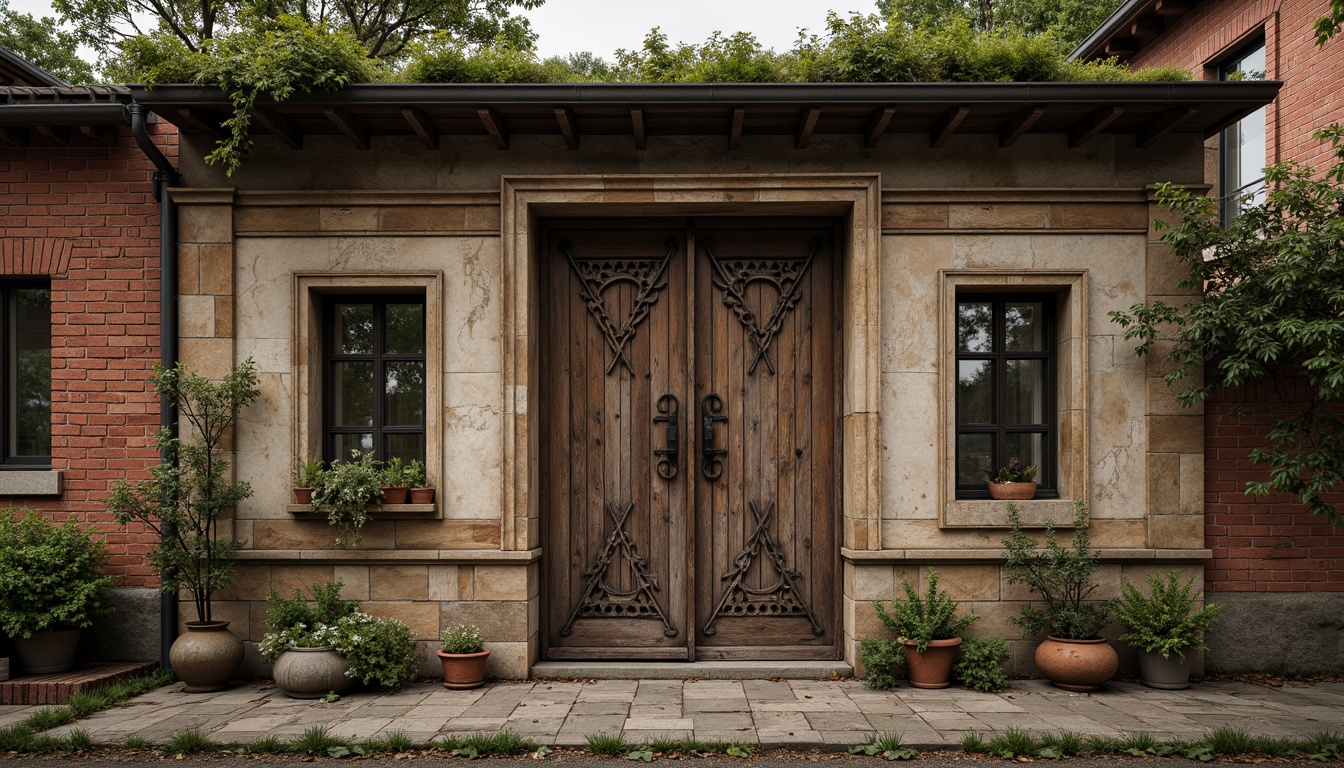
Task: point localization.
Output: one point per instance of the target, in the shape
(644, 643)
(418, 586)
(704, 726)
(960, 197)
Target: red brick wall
(1260, 543)
(1313, 91)
(88, 213)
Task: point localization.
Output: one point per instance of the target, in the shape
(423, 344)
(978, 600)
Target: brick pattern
(56, 689)
(1313, 92)
(86, 216)
(1260, 544)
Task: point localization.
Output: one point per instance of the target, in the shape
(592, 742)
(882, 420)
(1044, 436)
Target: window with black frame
(1241, 148)
(25, 311)
(374, 382)
(1005, 401)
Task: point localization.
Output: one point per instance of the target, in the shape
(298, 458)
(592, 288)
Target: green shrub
(462, 638)
(973, 744)
(50, 575)
(1164, 620)
(380, 651)
(883, 659)
(1014, 742)
(345, 492)
(1061, 576)
(886, 744)
(934, 617)
(980, 664)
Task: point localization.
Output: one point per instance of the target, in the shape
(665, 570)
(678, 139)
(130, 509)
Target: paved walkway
(772, 713)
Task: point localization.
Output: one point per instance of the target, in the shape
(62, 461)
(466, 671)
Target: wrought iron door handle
(669, 459)
(710, 464)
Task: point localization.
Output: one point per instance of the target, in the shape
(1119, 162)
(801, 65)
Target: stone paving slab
(793, 713)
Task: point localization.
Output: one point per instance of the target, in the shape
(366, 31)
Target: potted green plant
(395, 486)
(51, 587)
(346, 491)
(1073, 655)
(1162, 624)
(327, 644)
(307, 478)
(930, 629)
(421, 491)
(183, 501)
(1015, 480)
(464, 656)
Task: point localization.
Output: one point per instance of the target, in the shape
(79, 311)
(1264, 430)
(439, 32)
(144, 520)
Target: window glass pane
(1024, 327)
(408, 447)
(32, 348)
(975, 324)
(347, 443)
(974, 453)
(354, 329)
(1025, 399)
(975, 392)
(405, 329)
(352, 394)
(1027, 446)
(404, 394)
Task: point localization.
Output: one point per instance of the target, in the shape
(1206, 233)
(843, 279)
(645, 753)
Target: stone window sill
(388, 512)
(989, 513)
(30, 482)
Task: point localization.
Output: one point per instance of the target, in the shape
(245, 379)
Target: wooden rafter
(569, 127)
(637, 127)
(877, 126)
(1092, 125)
(494, 125)
(105, 135)
(349, 125)
(1165, 123)
(57, 133)
(806, 125)
(288, 133)
(1019, 124)
(422, 125)
(1174, 7)
(1147, 27)
(947, 125)
(1122, 46)
(14, 137)
(735, 128)
(188, 117)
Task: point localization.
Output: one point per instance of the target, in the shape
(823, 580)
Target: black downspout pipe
(165, 177)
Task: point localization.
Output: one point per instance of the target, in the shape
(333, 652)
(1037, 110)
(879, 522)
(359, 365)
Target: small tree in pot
(184, 502)
(1073, 656)
(1163, 624)
(931, 631)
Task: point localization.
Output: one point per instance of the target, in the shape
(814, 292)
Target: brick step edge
(56, 689)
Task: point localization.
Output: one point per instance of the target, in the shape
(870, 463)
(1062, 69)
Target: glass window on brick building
(25, 325)
(1242, 147)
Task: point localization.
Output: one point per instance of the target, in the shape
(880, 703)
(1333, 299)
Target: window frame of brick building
(13, 391)
(1232, 165)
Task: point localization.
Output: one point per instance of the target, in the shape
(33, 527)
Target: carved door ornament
(597, 275)
(600, 600)
(778, 599)
(733, 276)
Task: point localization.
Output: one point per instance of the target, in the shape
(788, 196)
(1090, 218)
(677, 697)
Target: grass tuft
(1014, 742)
(266, 745)
(886, 744)
(1136, 743)
(1226, 740)
(395, 742)
(136, 742)
(607, 745)
(688, 747)
(317, 740)
(973, 744)
(78, 739)
(190, 742)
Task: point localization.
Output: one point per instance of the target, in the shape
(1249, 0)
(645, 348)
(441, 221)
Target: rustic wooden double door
(689, 439)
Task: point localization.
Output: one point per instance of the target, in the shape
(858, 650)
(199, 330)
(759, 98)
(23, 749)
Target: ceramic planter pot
(303, 495)
(463, 670)
(933, 667)
(206, 656)
(1012, 491)
(394, 494)
(1077, 665)
(1168, 674)
(422, 495)
(47, 653)
(311, 673)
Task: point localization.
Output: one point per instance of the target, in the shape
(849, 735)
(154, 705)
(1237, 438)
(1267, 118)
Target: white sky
(602, 26)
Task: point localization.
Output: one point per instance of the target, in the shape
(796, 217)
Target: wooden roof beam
(877, 126)
(1123, 47)
(637, 127)
(1019, 124)
(348, 124)
(1174, 7)
(57, 133)
(278, 124)
(105, 135)
(1092, 125)
(806, 125)
(735, 128)
(569, 127)
(947, 125)
(196, 120)
(14, 137)
(1165, 123)
(494, 125)
(1147, 27)
(422, 125)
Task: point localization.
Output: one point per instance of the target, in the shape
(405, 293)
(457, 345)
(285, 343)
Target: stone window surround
(309, 289)
(1070, 289)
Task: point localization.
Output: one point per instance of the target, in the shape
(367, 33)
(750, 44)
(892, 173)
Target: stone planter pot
(206, 656)
(394, 494)
(463, 670)
(1077, 665)
(422, 495)
(1012, 491)
(47, 653)
(933, 667)
(1168, 674)
(311, 673)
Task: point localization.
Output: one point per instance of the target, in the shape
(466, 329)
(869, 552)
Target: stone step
(56, 689)
(699, 670)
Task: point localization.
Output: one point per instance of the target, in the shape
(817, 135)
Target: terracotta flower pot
(933, 667)
(46, 653)
(303, 495)
(1077, 665)
(463, 670)
(311, 673)
(394, 494)
(1012, 491)
(422, 495)
(206, 656)
(1167, 674)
